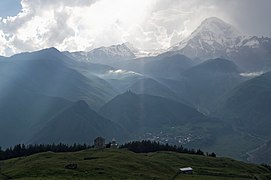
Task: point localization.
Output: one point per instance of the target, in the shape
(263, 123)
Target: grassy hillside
(123, 164)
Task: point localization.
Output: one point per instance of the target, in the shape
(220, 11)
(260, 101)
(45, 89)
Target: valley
(211, 100)
(125, 89)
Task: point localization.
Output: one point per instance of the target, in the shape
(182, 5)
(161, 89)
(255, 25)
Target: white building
(186, 170)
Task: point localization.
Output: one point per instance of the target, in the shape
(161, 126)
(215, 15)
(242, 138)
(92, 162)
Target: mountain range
(210, 89)
(78, 123)
(215, 38)
(247, 105)
(45, 72)
(105, 55)
(139, 113)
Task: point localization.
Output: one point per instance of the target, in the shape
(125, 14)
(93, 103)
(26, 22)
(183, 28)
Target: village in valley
(171, 138)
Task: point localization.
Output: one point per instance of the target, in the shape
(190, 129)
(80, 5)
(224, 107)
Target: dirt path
(250, 153)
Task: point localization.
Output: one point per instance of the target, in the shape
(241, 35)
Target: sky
(10, 7)
(81, 25)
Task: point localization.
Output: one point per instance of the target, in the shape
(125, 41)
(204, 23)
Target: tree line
(26, 150)
(147, 146)
(144, 146)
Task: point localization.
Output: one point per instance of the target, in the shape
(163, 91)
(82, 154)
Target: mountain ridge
(137, 112)
(78, 124)
(104, 55)
(215, 38)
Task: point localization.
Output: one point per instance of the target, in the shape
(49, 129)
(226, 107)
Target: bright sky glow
(148, 24)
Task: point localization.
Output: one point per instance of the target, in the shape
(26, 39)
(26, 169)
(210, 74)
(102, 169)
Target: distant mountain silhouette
(204, 84)
(153, 87)
(23, 113)
(248, 105)
(45, 72)
(78, 124)
(168, 67)
(140, 112)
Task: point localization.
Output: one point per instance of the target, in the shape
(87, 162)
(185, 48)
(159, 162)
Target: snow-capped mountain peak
(217, 27)
(104, 55)
(212, 32)
(139, 53)
(215, 38)
(119, 50)
(131, 47)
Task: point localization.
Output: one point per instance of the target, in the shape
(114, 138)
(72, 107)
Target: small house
(99, 143)
(186, 170)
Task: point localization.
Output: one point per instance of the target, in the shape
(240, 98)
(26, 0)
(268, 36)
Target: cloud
(149, 25)
(252, 74)
(40, 24)
(119, 74)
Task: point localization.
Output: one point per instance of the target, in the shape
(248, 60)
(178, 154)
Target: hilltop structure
(99, 143)
(114, 143)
